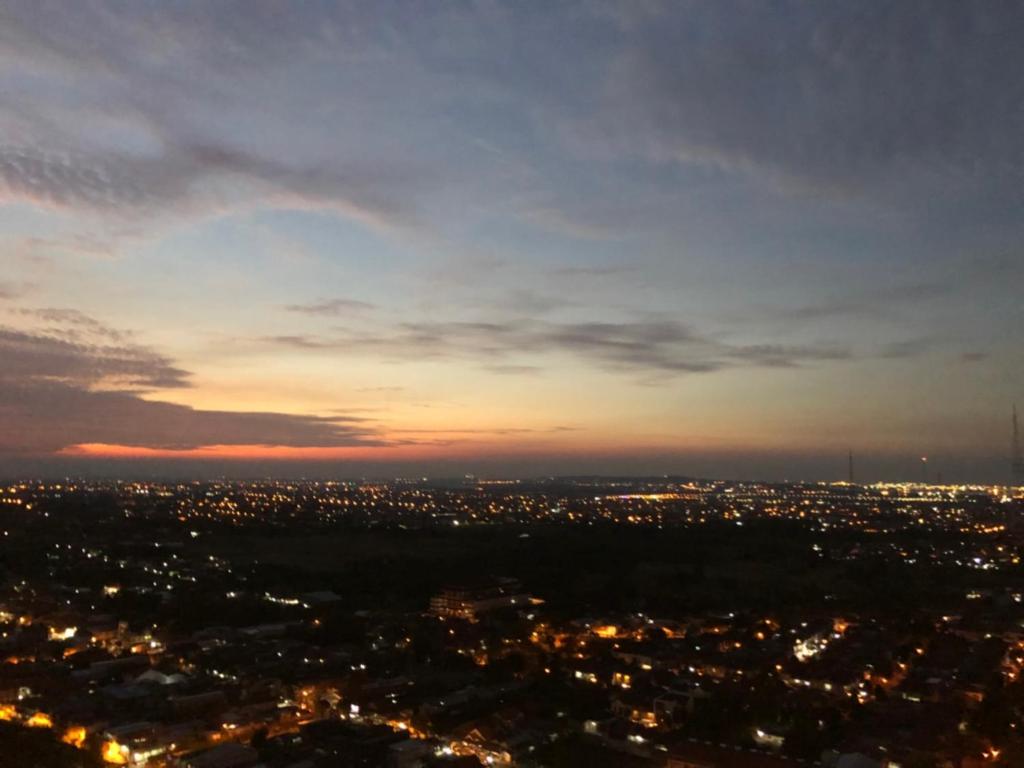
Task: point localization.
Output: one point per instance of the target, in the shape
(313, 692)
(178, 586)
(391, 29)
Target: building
(470, 603)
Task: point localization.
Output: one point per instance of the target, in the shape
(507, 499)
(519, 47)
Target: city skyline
(376, 239)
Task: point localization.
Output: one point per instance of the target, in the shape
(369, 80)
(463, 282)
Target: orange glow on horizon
(283, 452)
(451, 446)
(446, 448)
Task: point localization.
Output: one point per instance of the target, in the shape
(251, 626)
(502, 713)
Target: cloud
(514, 370)
(640, 347)
(60, 387)
(563, 222)
(60, 179)
(884, 301)
(183, 178)
(523, 301)
(782, 356)
(298, 341)
(330, 307)
(9, 291)
(187, 107)
(39, 251)
(33, 357)
(44, 417)
(73, 325)
(593, 270)
(829, 97)
(490, 431)
(898, 350)
(149, 114)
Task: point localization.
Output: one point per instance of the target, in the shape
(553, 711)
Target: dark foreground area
(664, 623)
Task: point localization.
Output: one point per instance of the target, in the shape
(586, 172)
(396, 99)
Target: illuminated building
(470, 602)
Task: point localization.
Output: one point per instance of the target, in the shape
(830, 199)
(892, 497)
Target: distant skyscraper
(850, 468)
(1016, 458)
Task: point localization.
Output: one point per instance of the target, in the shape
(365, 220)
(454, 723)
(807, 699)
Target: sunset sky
(729, 239)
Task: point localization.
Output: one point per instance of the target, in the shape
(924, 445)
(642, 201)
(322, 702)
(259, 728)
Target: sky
(721, 239)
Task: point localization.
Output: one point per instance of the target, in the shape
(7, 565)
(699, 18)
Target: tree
(40, 748)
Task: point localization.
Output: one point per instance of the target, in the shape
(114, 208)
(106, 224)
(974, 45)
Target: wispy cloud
(501, 431)
(563, 222)
(73, 325)
(514, 370)
(792, 91)
(887, 301)
(908, 348)
(593, 270)
(9, 291)
(183, 179)
(299, 341)
(330, 307)
(640, 347)
(54, 356)
(784, 91)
